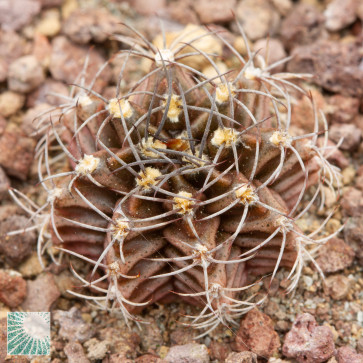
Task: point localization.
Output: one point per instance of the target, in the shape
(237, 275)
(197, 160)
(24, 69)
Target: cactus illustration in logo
(28, 333)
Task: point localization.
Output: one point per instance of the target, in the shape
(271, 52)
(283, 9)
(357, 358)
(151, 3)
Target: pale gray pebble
(188, 353)
(25, 74)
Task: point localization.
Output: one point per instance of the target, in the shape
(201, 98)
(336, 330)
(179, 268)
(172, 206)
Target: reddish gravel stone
(75, 353)
(358, 121)
(12, 288)
(219, 351)
(3, 70)
(181, 336)
(353, 235)
(72, 326)
(359, 10)
(67, 62)
(359, 178)
(302, 26)
(117, 358)
(256, 333)
(15, 248)
(42, 49)
(334, 64)
(242, 357)
(10, 103)
(258, 18)
(146, 7)
(25, 74)
(16, 152)
(2, 125)
(273, 49)
(8, 210)
(342, 109)
(188, 353)
(215, 11)
(51, 3)
(337, 286)
(148, 358)
(283, 6)
(348, 355)
(352, 202)
(4, 184)
(86, 25)
(125, 344)
(307, 342)
(335, 255)
(182, 12)
(12, 46)
(14, 14)
(340, 13)
(41, 293)
(351, 134)
(46, 93)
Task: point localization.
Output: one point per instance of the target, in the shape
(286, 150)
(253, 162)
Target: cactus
(185, 186)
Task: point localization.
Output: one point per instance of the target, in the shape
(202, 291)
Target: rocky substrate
(43, 44)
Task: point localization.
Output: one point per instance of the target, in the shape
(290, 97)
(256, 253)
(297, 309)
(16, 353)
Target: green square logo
(28, 333)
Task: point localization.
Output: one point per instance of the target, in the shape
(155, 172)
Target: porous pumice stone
(185, 187)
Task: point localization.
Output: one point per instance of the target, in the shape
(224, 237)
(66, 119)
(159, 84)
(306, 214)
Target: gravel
(43, 45)
(25, 74)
